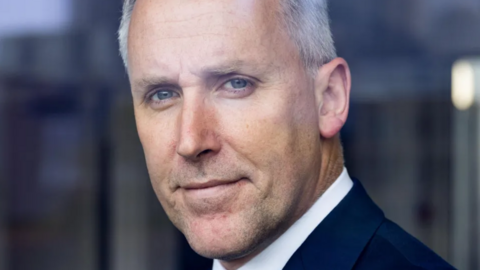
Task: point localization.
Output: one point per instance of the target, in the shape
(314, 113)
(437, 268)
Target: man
(238, 105)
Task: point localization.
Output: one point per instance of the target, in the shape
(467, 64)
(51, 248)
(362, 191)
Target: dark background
(74, 191)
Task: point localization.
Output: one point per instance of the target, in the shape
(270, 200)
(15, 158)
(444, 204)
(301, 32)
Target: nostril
(204, 152)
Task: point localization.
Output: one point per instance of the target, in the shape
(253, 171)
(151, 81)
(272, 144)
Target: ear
(332, 93)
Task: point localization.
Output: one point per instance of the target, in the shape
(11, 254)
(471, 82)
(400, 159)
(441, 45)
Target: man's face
(227, 118)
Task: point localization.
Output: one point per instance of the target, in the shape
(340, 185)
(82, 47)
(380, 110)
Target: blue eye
(163, 95)
(237, 84)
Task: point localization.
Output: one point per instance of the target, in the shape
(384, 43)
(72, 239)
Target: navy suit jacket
(356, 235)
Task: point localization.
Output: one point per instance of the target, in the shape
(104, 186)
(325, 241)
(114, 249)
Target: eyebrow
(207, 72)
(222, 69)
(235, 67)
(146, 83)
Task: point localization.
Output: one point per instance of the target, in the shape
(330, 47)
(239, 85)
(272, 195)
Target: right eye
(163, 95)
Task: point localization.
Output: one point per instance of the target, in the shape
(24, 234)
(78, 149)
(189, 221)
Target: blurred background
(74, 191)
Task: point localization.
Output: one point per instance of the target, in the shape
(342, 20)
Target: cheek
(157, 144)
(156, 138)
(250, 132)
(275, 135)
(272, 119)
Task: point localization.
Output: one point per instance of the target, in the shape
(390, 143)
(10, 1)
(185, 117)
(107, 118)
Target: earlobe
(332, 90)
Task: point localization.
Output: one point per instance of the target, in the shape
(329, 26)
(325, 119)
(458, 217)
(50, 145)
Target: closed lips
(209, 184)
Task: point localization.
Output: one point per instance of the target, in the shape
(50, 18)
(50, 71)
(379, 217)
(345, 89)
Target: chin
(222, 251)
(224, 244)
(219, 238)
(227, 241)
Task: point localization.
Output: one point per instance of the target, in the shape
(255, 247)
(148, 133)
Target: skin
(240, 140)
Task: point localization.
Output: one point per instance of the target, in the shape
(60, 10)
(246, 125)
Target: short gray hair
(306, 22)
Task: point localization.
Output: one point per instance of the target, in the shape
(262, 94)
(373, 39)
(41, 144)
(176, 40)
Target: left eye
(237, 84)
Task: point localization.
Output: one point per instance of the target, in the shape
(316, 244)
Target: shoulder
(393, 248)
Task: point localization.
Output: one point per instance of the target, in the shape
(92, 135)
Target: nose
(197, 134)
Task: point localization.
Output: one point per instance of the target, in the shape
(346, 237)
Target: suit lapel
(339, 240)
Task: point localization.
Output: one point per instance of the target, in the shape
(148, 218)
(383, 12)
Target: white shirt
(276, 255)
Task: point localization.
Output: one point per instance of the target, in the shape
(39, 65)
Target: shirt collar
(276, 256)
(338, 242)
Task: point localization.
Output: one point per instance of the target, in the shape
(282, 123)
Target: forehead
(176, 34)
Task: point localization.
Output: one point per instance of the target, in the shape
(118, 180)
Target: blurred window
(32, 16)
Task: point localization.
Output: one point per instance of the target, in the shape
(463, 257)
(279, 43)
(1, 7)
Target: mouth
(209, 184)
(213, 192)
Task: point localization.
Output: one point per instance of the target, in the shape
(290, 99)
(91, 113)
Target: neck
(332, 164)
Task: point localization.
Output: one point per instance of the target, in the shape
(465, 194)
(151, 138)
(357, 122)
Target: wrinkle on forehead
(173, 37)
(178, 11)
(170, 13)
